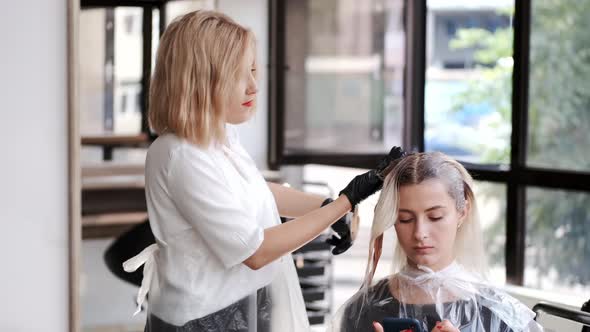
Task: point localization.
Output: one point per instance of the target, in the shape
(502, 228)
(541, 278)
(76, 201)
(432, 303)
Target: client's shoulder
(366, 297)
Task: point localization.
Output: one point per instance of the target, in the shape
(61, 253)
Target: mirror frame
(74, 179)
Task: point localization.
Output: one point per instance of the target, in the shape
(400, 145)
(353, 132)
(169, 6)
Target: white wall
(33, 167)
(253, 14)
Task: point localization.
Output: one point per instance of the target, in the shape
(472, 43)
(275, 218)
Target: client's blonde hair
(414, 169)
(197, 63)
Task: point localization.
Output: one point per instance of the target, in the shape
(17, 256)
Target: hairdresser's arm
(293, 203)
(285, 238)
(282, 239)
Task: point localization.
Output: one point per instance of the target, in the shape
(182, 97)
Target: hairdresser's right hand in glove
(366, 184)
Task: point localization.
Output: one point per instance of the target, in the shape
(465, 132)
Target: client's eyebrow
(435, 207)
(427, 210)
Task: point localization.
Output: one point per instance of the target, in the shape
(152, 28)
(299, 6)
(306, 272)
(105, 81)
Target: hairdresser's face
(427, 224)
(243, 98)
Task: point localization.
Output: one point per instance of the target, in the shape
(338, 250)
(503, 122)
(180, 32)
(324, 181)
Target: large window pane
(468, 80)
(559, 98)
(491, 201)
(558, 241)
(127, 70)
(180, 7)
(110, 74)
(344, 79)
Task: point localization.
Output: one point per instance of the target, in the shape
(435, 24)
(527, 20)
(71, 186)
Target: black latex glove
(343, 240)
(366, 184)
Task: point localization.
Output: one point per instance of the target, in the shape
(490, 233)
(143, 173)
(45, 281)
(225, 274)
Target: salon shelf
(113, 198)
(115, 140)
(311, 282)
(110, 187)
(111, 224)
(316, 313)
(110, 142)
(314, 294)
(120, 3)
(312, 270)
(313, 263)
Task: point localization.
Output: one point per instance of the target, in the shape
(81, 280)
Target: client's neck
(436, 267)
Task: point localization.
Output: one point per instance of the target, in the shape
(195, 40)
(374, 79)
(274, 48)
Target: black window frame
(517, 176)
(415, 52)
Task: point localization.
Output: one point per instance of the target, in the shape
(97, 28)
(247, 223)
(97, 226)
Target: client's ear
(464, 213)
(469, 196)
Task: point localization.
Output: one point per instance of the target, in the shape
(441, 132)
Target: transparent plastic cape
(464, 298)
(279, 306)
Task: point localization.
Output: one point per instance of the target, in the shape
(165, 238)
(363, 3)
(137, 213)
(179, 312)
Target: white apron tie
(147, 257)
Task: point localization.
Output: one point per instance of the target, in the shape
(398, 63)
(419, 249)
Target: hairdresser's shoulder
(171, 149)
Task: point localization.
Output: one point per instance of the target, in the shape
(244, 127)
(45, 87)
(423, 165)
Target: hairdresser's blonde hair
(414, 169)
(197, 63)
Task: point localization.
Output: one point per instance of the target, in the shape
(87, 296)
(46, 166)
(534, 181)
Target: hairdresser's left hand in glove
(361, 187)
(366, 184)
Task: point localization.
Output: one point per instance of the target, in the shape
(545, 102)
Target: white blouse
(208, 208)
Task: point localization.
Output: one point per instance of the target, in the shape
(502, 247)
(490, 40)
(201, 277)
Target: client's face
(427, 224)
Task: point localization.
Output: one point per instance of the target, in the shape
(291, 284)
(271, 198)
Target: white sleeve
(200, 192)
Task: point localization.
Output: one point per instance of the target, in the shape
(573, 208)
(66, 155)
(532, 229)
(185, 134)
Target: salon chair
(578, 316)
(126, 246)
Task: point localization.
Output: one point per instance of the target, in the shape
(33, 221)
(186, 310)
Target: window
(111, 69)
(502, 88)
(491, 203)
(124, 103)
(109, 66)
(129, 21)
(468, 90)
(343, 78)
(116, 62)
(180, 7)
(559, 100)
(558, 246)
(558, 219)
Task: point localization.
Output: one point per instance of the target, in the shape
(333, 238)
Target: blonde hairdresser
(222, 260)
